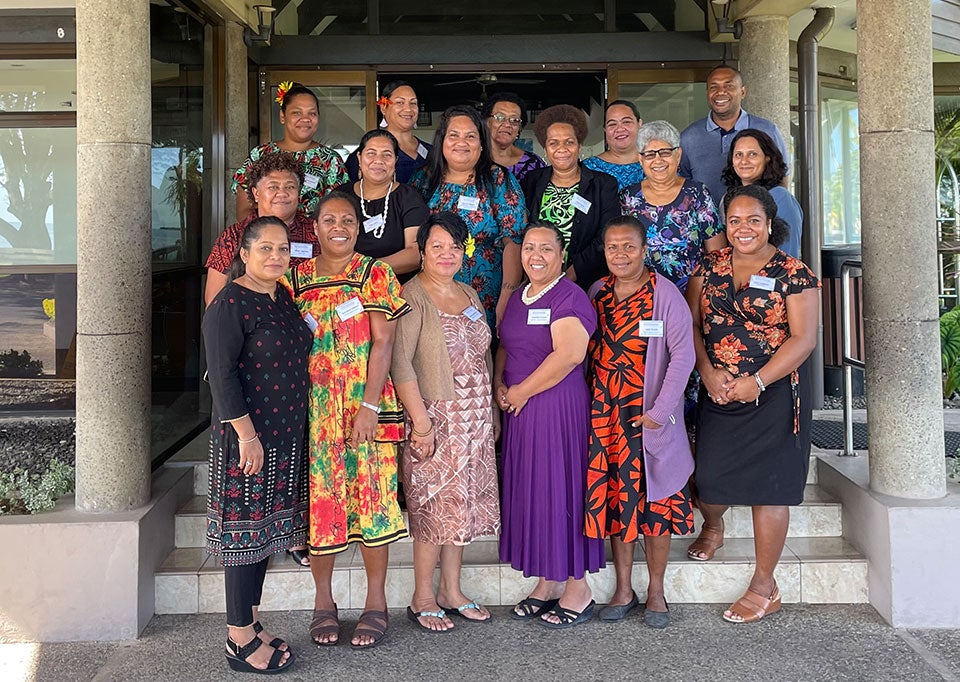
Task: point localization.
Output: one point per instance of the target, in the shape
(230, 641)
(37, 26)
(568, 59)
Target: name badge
(468, 203)
(371, 224)
(301, 250)
(651, 328)
(472, 313)
(349, 309)
(311, 322)
(422, 150)
(310, 180)
(760, 282)
(580, 203)
(539, 316)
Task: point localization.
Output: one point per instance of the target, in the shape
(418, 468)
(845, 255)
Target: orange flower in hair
(282, 91)
(384, 101)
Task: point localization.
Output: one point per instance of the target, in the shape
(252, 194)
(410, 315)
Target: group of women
(451, 295)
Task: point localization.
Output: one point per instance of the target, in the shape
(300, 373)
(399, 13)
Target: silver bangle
(375, 408)
(760, 386)
(248, 440)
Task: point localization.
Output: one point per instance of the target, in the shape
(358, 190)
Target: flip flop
(613, 613)
(568, 617)
(415, 617)
(373, 624)
(532, 608)
(458, 610)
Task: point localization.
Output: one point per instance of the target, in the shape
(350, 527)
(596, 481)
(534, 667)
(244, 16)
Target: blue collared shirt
(706, 146)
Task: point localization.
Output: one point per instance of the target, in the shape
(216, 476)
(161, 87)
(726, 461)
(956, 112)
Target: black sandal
(298, 555)
(276, 642)
(237, 658)
(532, 608)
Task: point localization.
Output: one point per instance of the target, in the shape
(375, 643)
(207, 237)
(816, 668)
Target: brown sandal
(752, 606)
(708, 542)
(372, 624)
(325, 622)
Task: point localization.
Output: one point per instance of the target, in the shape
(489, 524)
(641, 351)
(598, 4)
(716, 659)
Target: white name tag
(422, 150)
(301, 250)
(468, 203)
(651, 328)
(760, 282)
(349, 309)
(538, 316)
(472, 313)
(581, 204)
(371, 224)
(311, 322)
(311, 181)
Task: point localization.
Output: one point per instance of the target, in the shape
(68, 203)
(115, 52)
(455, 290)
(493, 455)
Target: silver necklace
(378, 232)
(528, 300)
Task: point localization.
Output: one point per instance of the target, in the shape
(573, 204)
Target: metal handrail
(849, 362)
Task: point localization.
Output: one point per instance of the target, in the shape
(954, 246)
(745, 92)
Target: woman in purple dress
(540, 385)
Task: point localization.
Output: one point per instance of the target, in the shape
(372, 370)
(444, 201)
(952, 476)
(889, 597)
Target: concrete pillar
(897, 195)
(765, 65)
(113, 254)
(237, 113)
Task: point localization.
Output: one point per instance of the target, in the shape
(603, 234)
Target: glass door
(677, 95)
(347, 105)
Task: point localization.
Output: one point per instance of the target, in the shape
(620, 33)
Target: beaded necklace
(378, 231)
(529, 300)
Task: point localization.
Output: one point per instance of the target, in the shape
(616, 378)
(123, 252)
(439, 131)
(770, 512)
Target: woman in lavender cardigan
(641, 357)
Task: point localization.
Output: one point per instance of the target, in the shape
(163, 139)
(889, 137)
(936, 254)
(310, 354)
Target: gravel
(31, 443)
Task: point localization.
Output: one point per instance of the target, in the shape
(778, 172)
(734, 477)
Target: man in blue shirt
(706, 143)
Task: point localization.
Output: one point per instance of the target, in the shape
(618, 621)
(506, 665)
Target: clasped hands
(723, 388)
(511, 399)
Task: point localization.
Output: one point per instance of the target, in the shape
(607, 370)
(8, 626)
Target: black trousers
(244, 586)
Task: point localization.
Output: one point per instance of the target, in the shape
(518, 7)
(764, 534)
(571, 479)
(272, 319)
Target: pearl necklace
(377, 232)
(528, 300)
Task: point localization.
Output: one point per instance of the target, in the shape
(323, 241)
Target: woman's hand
(423, 446)
(646, 420)
(715, 381)
(514, 400)
(251, 457)
(364, 427)
(742, 389)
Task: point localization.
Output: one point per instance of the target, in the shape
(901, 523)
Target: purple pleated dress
(545, 448)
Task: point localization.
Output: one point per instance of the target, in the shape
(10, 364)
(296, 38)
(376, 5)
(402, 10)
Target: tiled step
(812, 570)
(818, 516)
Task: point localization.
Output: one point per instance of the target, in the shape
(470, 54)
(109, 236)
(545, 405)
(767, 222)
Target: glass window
(679, 103)
(946, 118)
(38, 85)
(840, 166)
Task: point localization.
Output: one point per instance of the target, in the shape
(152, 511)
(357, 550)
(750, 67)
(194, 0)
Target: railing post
(849, 362)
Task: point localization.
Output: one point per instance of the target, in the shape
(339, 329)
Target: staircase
(817, 566)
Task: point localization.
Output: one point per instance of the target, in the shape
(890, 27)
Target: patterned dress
(500, 215)
(626, 173)
(323, 170)
(677, 232)
(742, 328)
(616, 499)
(228, 243)
(353, 489)
(257, 366)
(452, 496)
(556, 207)
(528, 162)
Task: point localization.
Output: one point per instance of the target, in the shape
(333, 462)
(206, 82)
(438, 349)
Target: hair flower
(282, 91)
(469, 245)
(384, 101)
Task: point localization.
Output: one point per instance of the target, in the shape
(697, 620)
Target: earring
(770, 230)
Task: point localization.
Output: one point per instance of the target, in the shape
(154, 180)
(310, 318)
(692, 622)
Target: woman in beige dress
(441, 369)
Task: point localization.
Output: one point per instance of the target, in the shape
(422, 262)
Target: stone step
(818, 516)
(811, 570)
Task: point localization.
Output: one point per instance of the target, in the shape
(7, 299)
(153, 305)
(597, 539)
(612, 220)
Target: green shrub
(19, 365)
(24, 493)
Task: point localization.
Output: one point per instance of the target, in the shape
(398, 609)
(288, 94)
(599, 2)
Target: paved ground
(803, 642)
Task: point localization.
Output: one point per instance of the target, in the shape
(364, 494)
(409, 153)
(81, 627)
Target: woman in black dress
(391, 212)
(257, 347)
(755, 322)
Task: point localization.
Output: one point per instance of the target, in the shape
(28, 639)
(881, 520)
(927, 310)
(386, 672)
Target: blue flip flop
(458, 610)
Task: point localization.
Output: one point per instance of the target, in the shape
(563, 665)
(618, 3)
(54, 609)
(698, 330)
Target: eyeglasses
(664, 153)
(500, 118)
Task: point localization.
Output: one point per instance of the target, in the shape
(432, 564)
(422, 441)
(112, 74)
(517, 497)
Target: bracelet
(248, 440)
(375, 408)
(759, 386)
(424, 434)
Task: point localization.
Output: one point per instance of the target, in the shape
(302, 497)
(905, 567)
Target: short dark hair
(337, 194)
(251, 233)
(375, 133)
(561, 113)
(623, 103)
(724, 67)
(272, 163)
(625, 220)
(544, 225)
(298, 89)
(447, 221)
(487, 110)
(779, 229)
(436, 166)
(773, 172)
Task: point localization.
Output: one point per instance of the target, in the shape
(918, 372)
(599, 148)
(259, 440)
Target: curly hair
(270, 163)
(561, 113)
(775, 169)
(779, 229)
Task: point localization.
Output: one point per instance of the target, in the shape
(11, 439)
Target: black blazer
(586, 246)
